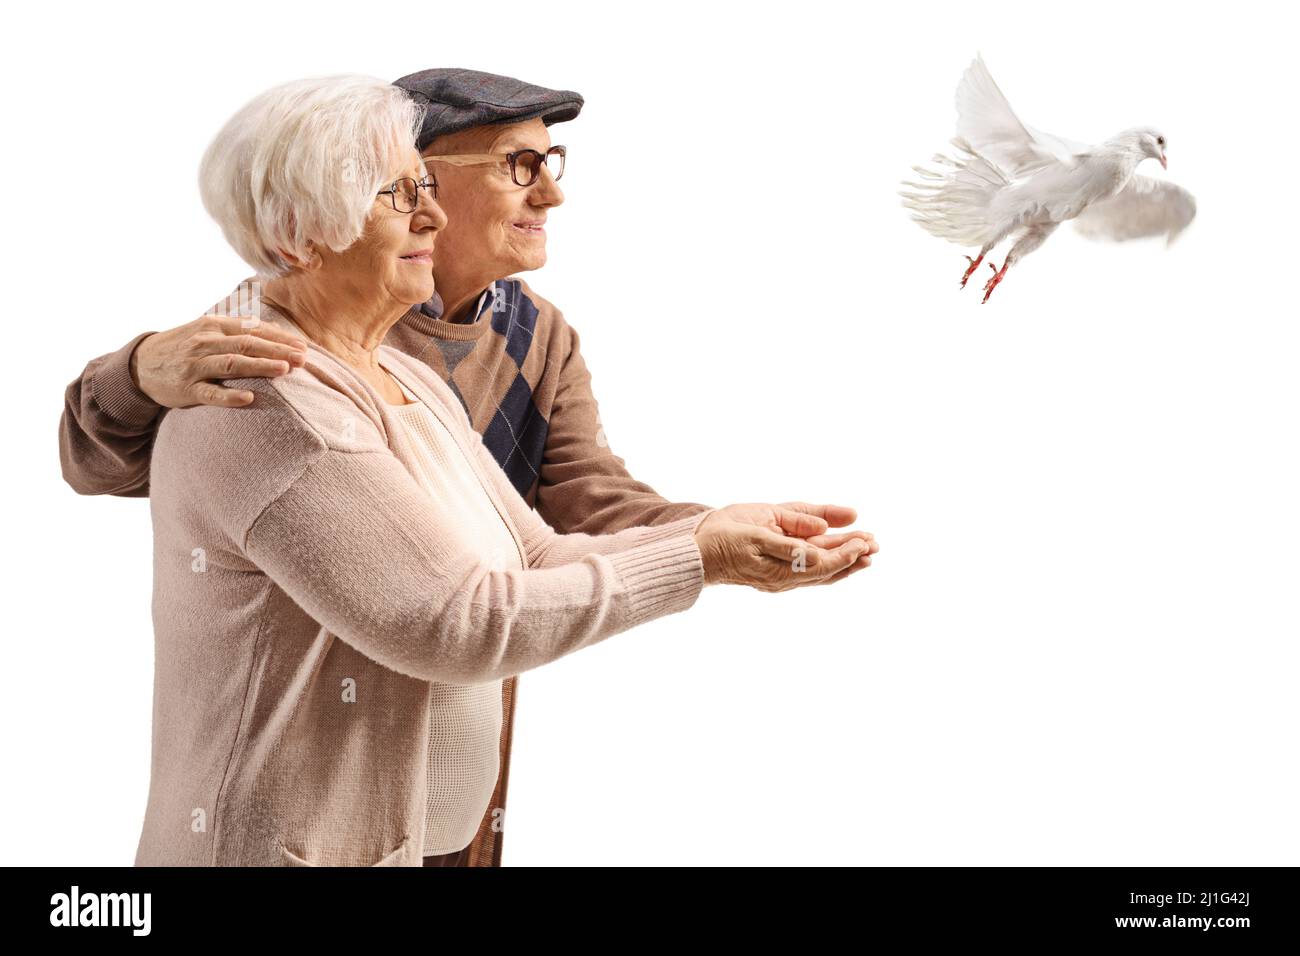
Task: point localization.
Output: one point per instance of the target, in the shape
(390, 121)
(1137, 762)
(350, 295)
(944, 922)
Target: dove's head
(1151, 142)
(1153, 145)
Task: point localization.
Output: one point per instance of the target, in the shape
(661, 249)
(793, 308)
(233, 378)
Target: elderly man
(507, 353)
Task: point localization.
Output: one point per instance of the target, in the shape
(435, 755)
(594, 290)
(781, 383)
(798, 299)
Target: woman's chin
(421, 292)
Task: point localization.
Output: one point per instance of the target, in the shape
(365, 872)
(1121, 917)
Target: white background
(1078, 642)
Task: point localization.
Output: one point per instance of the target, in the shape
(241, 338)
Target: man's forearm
(607, 501)
(583, 486)
(107, 430)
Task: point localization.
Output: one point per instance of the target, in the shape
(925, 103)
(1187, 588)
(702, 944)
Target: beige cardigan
(305, 597)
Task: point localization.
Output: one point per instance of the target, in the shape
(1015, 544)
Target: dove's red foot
(993, 282)
(974, 264)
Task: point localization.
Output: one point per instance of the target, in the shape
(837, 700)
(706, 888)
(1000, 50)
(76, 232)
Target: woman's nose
(428, 214)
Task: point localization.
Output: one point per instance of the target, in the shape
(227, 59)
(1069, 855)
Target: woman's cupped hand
(777, 547)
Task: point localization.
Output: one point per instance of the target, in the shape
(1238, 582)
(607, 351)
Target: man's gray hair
(301, 164)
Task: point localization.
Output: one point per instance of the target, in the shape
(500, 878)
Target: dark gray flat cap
(458, 99)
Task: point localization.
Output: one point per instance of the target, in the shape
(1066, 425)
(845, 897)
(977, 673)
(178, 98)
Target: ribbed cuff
(673, 529)
(661, 577)
(116, 393)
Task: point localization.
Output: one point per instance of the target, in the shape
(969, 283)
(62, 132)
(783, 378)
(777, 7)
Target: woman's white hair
(301, 164)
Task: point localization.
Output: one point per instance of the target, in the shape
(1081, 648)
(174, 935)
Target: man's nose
(546, 191)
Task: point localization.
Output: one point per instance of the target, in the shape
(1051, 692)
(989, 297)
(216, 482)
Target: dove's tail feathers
(954, 205)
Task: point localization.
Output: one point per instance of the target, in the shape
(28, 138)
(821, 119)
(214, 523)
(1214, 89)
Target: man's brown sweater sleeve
(583, 486)
(107, 430)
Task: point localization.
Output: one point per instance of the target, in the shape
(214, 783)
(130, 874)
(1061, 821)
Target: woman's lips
(424, 257)
(531, 228)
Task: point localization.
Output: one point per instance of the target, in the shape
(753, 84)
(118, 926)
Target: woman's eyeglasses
(405, 192)
(525, 164)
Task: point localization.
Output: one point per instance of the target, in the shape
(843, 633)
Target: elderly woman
(343, 574)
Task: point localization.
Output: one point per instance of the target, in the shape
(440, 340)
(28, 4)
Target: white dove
(1012, 177)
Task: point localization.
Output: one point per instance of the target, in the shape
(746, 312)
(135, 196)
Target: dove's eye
(1160, 141)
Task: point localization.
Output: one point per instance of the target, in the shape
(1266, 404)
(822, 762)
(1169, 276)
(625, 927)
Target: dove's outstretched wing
(986, 121)
(1145, 207)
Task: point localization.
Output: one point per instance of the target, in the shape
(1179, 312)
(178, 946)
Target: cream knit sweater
(308, 594)
(464, 720)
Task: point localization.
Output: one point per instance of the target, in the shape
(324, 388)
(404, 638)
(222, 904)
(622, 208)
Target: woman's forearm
(383, 576)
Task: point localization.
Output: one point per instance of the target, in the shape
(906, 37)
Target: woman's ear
(316, 260)
(313, 261)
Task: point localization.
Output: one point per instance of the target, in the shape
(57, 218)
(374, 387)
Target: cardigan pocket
(392, 858)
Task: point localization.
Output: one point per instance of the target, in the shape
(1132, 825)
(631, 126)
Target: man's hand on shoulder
(182, 366)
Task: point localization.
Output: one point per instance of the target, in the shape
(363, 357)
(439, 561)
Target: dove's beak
(1163, 162)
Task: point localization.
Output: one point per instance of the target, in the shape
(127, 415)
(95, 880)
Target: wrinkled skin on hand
(783, 546)
(179, 368)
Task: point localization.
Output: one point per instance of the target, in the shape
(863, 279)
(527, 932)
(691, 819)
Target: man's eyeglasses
(525, 164)
(405, 192)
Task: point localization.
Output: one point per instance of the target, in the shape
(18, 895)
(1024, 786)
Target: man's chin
(530, 262)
